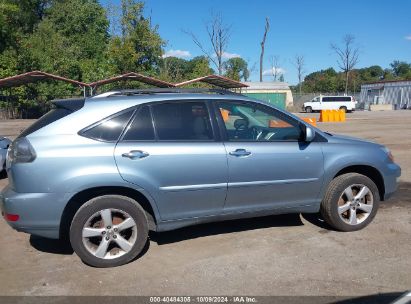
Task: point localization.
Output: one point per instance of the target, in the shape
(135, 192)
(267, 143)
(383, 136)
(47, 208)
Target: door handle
(240, 152)
(134, 154)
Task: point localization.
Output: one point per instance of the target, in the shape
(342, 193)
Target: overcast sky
(382, 29)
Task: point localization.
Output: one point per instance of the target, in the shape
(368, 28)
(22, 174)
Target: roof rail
(165, 91)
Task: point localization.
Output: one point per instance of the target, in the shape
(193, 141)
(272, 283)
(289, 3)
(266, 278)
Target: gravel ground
(276, 255)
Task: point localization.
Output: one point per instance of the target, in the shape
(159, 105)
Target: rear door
(270, 167)
(170, 150)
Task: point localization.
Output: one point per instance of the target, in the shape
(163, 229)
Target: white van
(346, 103)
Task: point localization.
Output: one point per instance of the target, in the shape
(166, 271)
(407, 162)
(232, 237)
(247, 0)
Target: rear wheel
(308, 109)
(351, 202)
(344, 109)
(109, 230)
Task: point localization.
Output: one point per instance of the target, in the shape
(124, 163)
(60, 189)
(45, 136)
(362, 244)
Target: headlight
(389, 154)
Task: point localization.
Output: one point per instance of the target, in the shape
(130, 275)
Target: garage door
(277, 99)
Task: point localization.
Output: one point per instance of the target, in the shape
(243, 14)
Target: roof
(134, 76)
(216, 80)
(384, 82)
(267, 85)
(34, 76)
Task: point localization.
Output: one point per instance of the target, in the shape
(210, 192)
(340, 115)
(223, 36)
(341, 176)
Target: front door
(269, 165)
(177, 161)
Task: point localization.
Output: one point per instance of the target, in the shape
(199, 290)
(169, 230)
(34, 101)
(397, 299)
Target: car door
(169, 150)
(269, 166)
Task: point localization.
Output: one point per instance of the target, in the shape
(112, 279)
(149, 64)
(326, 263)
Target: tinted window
(142, 126)
(109, 129)
(182, 121)
(337, 98)
(62, 108)
(45, 120)
(246, 122)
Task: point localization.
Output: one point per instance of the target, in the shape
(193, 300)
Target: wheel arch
(85, 195)
(369, 171)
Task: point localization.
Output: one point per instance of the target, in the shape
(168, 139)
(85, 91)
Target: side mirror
(309, 134)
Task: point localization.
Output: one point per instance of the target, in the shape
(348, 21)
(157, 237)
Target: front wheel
(308, 109)
(350, 203)
(109, 230)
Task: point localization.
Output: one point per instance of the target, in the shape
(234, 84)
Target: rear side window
(142, 126)
(45, 120)
(182, 121)
(109, 129)
(62, 108)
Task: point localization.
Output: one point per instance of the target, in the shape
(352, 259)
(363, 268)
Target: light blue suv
(108, 169)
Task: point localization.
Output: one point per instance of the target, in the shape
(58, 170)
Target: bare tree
(219, 36)
(299, 65)
(275, 67)
(347, 56)
(267, 28)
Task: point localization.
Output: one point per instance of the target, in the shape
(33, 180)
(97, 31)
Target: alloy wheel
(109, 233)
(355, 204)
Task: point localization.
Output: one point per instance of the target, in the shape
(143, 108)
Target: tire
(308, 109)
(336, 200)
(123, 212)
(344, 109)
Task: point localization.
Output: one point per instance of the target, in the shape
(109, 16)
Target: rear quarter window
(108, 129)
(45, 120)
(62, 108)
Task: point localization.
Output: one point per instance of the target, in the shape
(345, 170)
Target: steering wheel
(241, 124)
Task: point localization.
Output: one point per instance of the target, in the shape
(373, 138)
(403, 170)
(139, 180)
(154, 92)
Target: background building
(277, 93)
(397, 93)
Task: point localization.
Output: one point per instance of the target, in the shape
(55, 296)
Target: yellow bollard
(324, 116)
(342, 115)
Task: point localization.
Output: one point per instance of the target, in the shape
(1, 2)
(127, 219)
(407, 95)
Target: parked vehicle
(106, 170)
(4, 144)
(346, 103)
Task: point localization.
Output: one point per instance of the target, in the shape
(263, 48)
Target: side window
(109, 129)
(142, 126)
(182, 121)
(327, 99)
(247, 122)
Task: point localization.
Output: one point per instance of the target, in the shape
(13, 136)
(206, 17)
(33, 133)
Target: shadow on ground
(225, 227)
(401, 198)
(51, 245)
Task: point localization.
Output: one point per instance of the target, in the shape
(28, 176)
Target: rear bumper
(391, 175)
(39, 213)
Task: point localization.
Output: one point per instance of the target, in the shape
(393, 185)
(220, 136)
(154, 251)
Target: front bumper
(391, 176)
(39, 213)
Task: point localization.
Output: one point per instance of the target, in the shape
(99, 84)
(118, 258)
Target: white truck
(346, 103)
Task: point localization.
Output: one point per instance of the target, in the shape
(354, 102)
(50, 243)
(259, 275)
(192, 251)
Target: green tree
(400, 69)
(139, 46)
(237, 69)
(173, 69)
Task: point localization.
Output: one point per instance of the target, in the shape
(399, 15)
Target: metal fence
(12, 108)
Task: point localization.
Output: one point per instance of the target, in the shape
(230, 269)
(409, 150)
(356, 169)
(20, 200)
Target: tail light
(21, 151)
(11, 217)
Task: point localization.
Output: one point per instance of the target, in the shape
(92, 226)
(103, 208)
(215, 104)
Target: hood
(337, 138)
